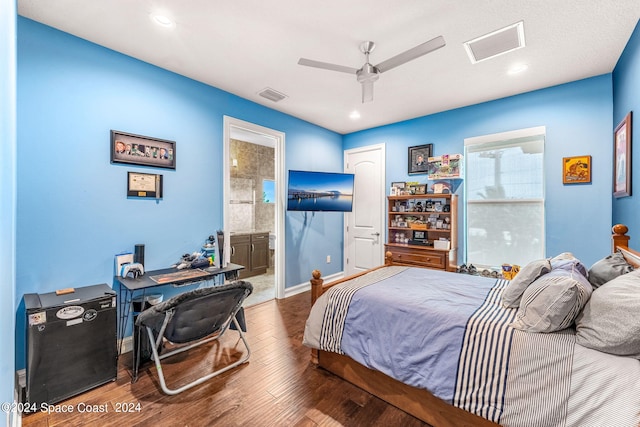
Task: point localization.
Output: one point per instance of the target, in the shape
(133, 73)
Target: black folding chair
(194, 318)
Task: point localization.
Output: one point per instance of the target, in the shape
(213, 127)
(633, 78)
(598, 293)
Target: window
(504, 194)
(268, 191)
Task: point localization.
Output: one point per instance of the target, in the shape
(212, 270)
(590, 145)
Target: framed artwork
(144, 185)
(576, 170)
(622, 158)
(142, 150)
(418, 158)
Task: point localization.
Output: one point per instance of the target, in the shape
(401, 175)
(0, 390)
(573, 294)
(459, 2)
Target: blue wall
(73, 216)
(578, 121)
(7, 195)
(626, 97)
(72, 211)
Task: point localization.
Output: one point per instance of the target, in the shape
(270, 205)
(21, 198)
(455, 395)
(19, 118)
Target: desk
(131, 288)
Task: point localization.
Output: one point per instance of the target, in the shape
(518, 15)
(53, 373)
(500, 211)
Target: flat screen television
(320, 191)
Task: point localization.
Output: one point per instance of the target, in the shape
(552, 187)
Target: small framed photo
(622, 158)
(418, 159)
(393, 191)
(420, 189)
(576, 170)
(400, 185)
(142, 150)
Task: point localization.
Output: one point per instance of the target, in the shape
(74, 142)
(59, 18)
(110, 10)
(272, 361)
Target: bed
(452, 349)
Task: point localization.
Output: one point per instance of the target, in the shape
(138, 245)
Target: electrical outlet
(328, 259)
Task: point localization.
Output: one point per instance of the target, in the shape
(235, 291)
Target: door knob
(375, 234)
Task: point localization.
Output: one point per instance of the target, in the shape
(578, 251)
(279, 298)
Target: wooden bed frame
(415, 401)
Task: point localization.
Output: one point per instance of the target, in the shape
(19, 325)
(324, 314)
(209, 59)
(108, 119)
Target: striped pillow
(514, 290)
(552, 302)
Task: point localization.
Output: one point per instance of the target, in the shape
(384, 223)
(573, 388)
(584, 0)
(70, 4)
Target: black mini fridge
(71, 342)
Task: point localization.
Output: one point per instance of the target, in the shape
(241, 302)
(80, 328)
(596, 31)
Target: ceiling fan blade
(327, 66)
(416, 52)
(367, 91)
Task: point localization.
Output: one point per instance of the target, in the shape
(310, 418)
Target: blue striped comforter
(449, 334)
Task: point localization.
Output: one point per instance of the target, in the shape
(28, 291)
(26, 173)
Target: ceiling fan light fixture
(368, 74)
(496, 43)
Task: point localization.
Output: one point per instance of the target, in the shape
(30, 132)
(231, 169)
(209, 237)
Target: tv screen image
(320, 191)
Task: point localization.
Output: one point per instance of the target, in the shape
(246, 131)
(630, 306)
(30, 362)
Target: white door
(365, 225)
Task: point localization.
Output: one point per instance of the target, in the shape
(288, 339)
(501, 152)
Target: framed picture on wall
(142, 150)
(576, 170)
(418, 158)
(144, 185)
(622, 158)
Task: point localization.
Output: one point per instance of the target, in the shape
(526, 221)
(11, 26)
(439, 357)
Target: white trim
(504, 136)
(279, 138)
(303, 287)
(126, 344)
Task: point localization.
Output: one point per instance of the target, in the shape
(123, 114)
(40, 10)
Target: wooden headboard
(620, 241)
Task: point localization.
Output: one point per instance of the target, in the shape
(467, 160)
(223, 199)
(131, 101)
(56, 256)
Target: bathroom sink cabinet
(252, 251)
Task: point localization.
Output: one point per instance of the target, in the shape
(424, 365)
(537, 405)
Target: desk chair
(195, 318)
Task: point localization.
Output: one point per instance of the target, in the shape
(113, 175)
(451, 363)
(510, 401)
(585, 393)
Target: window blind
(504, 196)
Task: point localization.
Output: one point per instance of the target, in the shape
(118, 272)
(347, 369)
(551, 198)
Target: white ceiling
(244, 46)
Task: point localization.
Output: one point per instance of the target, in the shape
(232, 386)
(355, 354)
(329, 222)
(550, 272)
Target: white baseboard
(303, 287)
(333, 277)
(126, 344)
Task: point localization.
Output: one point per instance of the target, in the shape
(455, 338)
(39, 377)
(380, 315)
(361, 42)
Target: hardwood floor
(277, 387)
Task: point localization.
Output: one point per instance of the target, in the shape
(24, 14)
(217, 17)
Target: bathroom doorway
(254, 206)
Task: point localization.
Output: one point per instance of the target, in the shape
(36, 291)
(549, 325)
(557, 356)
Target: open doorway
(254, 206)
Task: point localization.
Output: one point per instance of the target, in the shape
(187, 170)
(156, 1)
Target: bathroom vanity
(251, 250)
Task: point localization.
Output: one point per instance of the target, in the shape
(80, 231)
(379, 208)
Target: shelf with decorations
(422, 229)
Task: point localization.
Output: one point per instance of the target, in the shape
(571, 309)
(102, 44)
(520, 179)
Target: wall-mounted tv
(320, 191)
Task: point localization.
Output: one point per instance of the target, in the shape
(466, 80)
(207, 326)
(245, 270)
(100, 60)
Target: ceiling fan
(368, 73)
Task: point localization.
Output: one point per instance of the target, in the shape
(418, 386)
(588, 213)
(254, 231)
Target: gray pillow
(608, 269)
(552, 302)
(610, 322)
(530, 272)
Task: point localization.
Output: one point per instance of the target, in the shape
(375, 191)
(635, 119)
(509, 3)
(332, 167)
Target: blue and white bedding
(449, 334)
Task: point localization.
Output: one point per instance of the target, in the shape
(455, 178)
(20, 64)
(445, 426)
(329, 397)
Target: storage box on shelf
(416, 222)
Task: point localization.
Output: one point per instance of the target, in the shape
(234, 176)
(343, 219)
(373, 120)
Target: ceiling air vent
(272, 95)
(496, 43)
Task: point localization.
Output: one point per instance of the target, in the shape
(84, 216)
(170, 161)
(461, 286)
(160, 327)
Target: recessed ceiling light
(354, 115)
(162, 20)
(517, 69)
